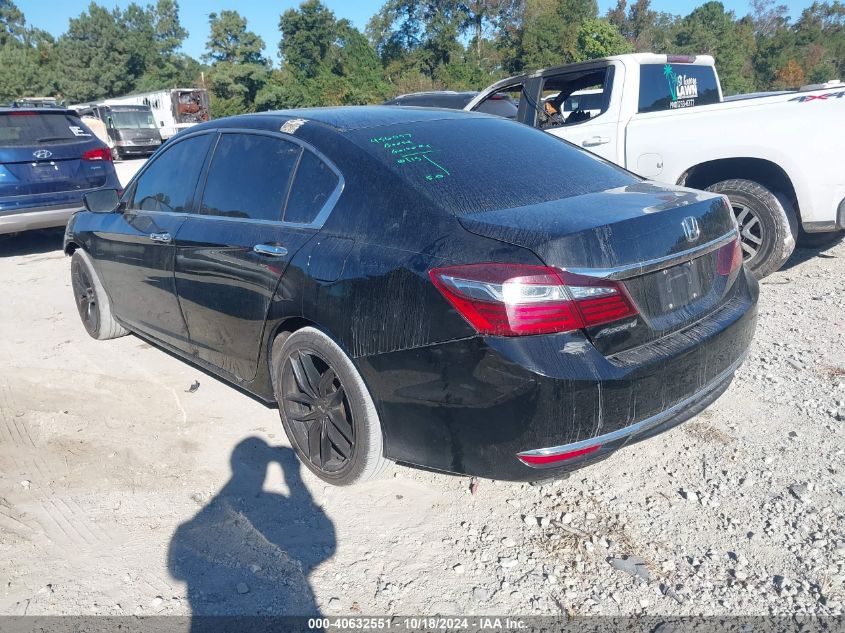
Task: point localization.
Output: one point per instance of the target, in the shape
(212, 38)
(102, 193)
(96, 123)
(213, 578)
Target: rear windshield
(483, 164)
(671, 86)
(37, 128)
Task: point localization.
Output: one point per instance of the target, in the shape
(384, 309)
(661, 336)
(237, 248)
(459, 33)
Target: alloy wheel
(86, 299)
(750, 230)
(318, 411)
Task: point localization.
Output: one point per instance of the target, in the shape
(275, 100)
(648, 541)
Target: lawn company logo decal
(683, 89)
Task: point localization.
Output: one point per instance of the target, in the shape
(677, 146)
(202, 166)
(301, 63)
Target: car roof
(342, 119)
(37, 110)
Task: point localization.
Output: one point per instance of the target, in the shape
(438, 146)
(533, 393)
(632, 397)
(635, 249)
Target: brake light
(101, 153)
(21, 113)
(518, 299)
(729, 258)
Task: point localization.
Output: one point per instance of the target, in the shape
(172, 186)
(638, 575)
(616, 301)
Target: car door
(135, 250)
(231, 256)
(594, 129)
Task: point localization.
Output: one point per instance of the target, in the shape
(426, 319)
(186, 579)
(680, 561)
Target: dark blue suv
(48, 161)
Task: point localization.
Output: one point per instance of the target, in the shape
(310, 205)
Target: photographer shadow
(250, 552)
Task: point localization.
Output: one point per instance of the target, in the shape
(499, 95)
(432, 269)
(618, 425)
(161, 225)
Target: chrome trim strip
(642, 425)
(641, 268)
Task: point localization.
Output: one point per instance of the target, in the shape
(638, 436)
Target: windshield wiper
(52, 138)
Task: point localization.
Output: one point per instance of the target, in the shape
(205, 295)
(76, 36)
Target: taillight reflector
(539, 460)
(100, 153)
(729, 258)
(518, 299)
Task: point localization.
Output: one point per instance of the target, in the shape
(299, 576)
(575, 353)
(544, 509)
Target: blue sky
(263, 16)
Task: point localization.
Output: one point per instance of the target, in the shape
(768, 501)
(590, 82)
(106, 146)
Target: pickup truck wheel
(767, 224)
(326, 409)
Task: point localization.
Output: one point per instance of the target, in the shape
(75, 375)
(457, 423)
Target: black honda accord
(450, 290)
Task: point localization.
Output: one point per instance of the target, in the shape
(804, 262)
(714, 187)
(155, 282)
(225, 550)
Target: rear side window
(473, 164)
(314, 184)
(37, 128)
(249, 177)
(169, 182)
(671, 86)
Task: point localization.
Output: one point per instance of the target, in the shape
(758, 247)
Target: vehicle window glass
(312, 187)
(169, 182)
(249, 176)
(133, 119)
(503, 103)
(575, 97)
(477, 164)
(671, 86)
(24, 128)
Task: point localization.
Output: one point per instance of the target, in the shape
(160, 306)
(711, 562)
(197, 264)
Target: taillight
(729, 258)
(517, 299)
(101, 153)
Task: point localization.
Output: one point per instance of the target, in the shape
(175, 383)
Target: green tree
(95, 59)
(308, 33)
(711, 30)
(230, 41)
(599, 38)
(239, 70)
(12, 23)
(325, 61)
(168, 67)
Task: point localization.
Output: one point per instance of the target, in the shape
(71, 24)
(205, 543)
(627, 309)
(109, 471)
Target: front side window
(313, 185)
(169, 182)
(249, 177)
(672, 86)
(575, 97)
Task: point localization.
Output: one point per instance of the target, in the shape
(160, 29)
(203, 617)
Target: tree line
(409, 45)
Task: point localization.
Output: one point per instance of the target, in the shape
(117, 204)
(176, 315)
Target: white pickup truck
(778, 158)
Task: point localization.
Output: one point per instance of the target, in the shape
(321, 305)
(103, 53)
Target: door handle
(164, 238)
(595, 140)
(271, 250)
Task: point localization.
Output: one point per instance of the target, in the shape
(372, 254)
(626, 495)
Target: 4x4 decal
(827, 95)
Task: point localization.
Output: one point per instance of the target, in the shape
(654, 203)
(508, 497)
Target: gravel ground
(128, 488)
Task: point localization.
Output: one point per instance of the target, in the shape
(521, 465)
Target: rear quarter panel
(801, 133)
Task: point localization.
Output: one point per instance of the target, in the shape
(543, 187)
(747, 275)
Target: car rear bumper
(46, 217)
(471, 406)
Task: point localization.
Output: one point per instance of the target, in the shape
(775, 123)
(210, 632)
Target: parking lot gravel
(133, 483)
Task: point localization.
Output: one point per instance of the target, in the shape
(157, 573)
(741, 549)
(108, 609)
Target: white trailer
(174, 109)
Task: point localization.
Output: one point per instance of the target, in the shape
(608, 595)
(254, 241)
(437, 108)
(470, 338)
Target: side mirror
(110, 122)
(101, 201)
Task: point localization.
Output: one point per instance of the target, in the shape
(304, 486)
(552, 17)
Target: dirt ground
(122, 491)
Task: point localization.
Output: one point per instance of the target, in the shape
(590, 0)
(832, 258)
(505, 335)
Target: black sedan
(444, 289)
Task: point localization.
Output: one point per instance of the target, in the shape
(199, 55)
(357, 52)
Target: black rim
(86, 298)
(317, 410)
(750, 231)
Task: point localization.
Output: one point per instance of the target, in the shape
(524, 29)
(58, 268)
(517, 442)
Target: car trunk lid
(662, 244)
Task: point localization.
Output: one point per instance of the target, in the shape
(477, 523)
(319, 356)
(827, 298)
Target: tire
(819, 240)
(92, 300)
(768, 225)
(326, 409)
(115, 154)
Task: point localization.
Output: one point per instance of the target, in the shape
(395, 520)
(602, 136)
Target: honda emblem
(691, 228)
